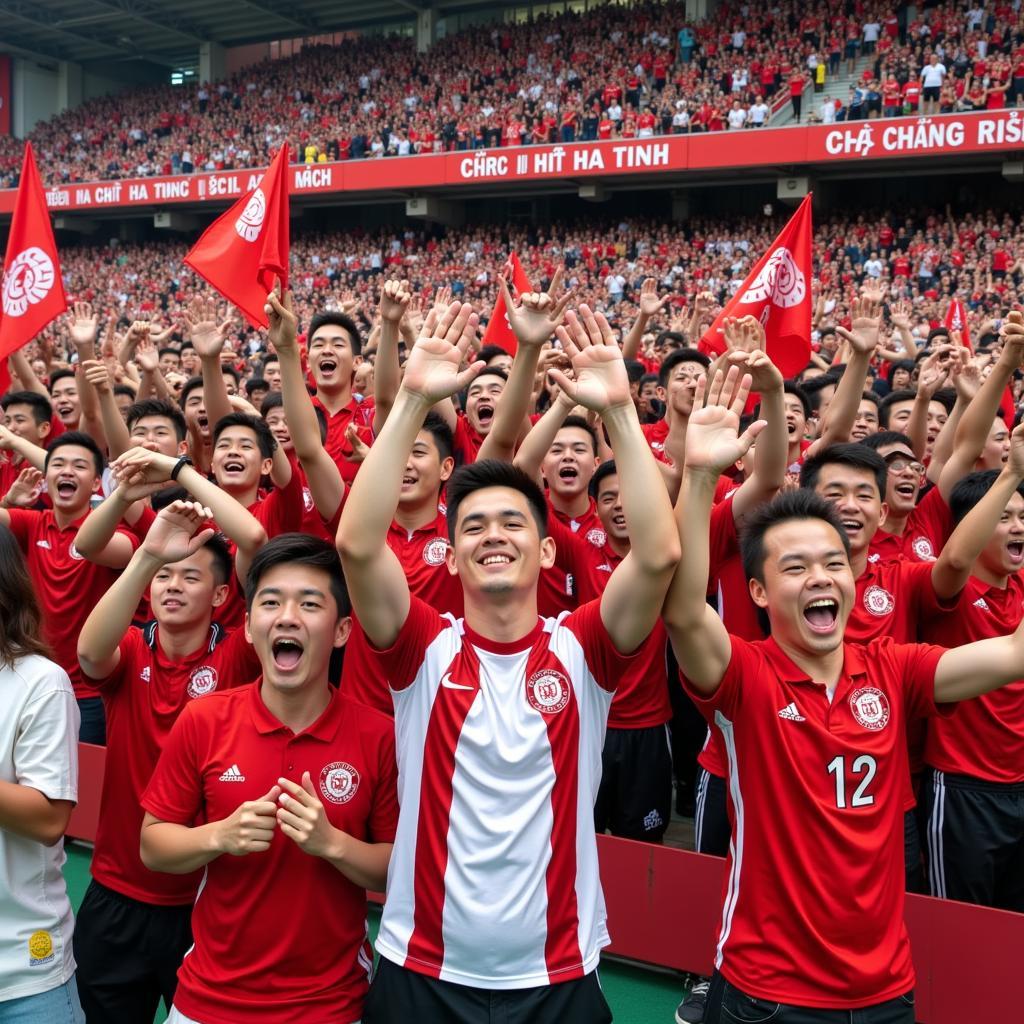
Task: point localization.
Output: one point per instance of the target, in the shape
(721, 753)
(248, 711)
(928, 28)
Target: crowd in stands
(613, 72)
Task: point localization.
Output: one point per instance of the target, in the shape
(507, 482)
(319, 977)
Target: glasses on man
(898, 463)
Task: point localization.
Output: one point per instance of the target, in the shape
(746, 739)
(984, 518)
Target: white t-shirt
(737, 117)
(759, 113)
(871, 32)
(932, 75)
(38, 748)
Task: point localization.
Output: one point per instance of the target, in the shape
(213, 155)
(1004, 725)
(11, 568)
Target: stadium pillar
(426, 29)
(698, 9)
(69, 85)
(680, 206)
(212, 63)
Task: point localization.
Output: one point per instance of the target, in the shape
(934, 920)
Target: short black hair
(346, 323)
(42, 410)
(444, 438)
(852, 454)
(606, 469)
(813, 387)
(790, 387)
(670, 338)
(124, 391)
(192, 384)
(81, 440)
(871, 397)
(681, 355)
(969, 490)
(157, 407)
(60, 375)
(634, 370)
(264, 438)
(270, 357)
(223, 564)
(488, 371)
(883, 438)
(275, 400)
(489, 352)
(299, 549)
(580, 423)
(168, 349)
(899, 364)
(885, 406)
(466, 480)
(796, 504)
(231, 372)
(256, 384)
(946, 397)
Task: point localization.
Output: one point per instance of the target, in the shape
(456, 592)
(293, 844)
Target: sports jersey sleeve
(384, 816)
(724, 540)
(745, 662)
(402, 660)
(917, 582)
(607, 665)
(238, 656)
(22, 523)
(916, 666)
(281, 510)
(130, 648)
(175, 791)
(46, 748)
(933, 518)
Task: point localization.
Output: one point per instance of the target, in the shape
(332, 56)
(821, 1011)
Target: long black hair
(20, 618)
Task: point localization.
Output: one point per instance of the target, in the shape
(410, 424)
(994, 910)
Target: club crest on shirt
(879, 601)
(870, 707)
(597, 537)
(923, 549)
(40, 948)
(548, 691)
(75, 553)
(202, 681)
(435, 551)
(339, 782)
(307, 499)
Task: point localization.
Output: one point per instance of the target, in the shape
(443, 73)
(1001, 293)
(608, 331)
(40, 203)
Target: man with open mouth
(494, 895)
(814, 731)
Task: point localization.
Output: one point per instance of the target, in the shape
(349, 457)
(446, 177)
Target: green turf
(636, 996)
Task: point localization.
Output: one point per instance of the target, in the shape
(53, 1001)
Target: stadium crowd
(612, 72)
(177, 484)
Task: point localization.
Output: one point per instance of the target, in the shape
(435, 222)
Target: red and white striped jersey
(494, 877)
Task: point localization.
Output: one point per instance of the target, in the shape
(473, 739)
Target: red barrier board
(996, 132)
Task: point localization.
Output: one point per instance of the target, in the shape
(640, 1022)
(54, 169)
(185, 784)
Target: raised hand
(206, 329)
(649, 302)
(347, 302)
(97, 374)
(159, 336)
(83, 325)
(395, 297)
(538, 314)
(175, 533)
(1012, 336)
(1016, 457)
(251, 828)
(432, 370)
(360, 449)
(764, 374)
(283, 326)
(142, 466)
(865, 321)
(713, 438)
(745, 334)
(146, 355)
(301, 817)
(601, 382)
(966, 374)
(27, 487)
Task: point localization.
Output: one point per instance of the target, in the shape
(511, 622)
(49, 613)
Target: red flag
(499, 331)
(33, 292)
(778, 292)
(956, 320)
(246, 247)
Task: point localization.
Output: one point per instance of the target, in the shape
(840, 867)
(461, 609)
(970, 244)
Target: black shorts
(712, 830)
(975, 840)
(931, 92)
(398, 994)
(128, 955)
(634, 800)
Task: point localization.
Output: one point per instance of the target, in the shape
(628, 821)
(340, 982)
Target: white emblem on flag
(28, 280)
(250, 224)
(780, 280)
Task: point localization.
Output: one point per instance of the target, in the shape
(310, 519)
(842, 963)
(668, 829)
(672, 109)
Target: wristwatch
(180, 465)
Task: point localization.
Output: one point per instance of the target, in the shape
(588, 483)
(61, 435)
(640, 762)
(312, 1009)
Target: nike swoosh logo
(446, 682)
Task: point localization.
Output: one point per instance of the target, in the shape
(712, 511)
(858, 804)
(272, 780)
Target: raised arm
(375, 577)
(208, 332)
(83, 327)
(22, 369)
(933, 375)
(533, 322)
(713, 443)
(648, 306)
(322, 473)
(114, 426)
(175, 534)
(395, 297)
(974, 669)
(31, 453)
(636, 590)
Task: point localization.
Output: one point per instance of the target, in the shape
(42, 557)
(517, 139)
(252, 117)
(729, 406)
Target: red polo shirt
(655, 435)
(813, 912)
(557, 590)
(467, 441)
(280, 936)
(928, 528)
(66, 584)
(143, 698)
(337, 445)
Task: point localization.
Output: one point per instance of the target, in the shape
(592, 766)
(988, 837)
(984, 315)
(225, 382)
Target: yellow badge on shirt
(40, 948)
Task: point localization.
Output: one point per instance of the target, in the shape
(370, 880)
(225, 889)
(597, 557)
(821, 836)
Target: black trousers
(634, 800)
(128, 955)
(93, 727)
(975, 840)
(729, 1005)
(399, 995)
(712, 830)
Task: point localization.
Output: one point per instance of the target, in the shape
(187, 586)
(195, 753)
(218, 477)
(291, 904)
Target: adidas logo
(144, 674)
(43, 544)
(790, 713)
(981, 603)
(232, 775)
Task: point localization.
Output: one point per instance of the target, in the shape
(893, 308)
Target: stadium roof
(169, 34)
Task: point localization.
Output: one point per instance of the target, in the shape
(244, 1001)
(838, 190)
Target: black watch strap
(180, 465)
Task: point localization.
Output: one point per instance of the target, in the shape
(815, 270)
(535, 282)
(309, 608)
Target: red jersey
(927, 529)
(66, 584)
(815, 796)
(337, 445)
(143, 698)
(557, 590)
(468, 441)
(655, 434)
(423, 556)
(223, 751)
(893, 599)
(494, 879)
(984, 737)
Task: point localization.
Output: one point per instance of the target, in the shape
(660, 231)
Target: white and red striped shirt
(494, 877)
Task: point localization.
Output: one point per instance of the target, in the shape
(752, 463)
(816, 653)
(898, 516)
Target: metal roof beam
(151, 15)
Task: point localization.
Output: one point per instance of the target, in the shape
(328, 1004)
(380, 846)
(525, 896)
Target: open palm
(172, 535)
(432, 371)
(601, 380)
(713, 438)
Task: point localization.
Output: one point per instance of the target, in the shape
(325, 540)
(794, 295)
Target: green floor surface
(636, 996)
